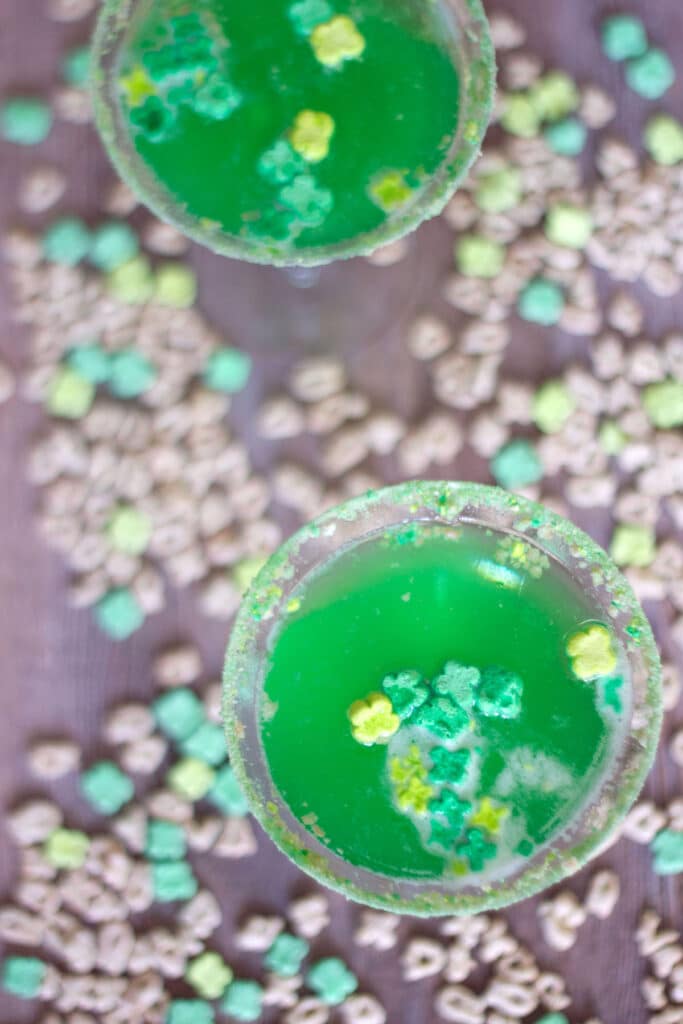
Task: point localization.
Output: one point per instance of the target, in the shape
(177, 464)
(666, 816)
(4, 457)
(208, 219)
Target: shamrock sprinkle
(407, 691)
(449, 765)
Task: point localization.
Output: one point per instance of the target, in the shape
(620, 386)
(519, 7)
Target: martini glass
(441, 698)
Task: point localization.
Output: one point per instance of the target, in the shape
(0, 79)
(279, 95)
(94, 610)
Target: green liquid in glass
(416, 598)
(213, 92)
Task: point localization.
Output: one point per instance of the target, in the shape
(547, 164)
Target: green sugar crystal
(243, 1001)
(651, 75)
(165, 840)
(25, 120)
(207, 743)
(66, 848)
(541, 302)
(106, 787)
(23, 976)
(173, 880)
(66, 241)
(209, 975)
(228, 370)
(516, 465)
(178, 713)
(226, 793)
(119, 614)
(331, 980)
(623, 37)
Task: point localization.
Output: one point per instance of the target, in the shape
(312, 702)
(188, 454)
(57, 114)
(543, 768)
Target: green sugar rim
(444, 503)
(477, 74)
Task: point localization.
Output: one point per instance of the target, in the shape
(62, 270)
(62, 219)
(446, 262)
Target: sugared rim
(478, 78)
(448, 503)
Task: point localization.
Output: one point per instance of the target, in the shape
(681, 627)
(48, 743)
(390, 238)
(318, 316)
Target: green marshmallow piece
(331, 980)
(90, 362)
(243, 1001)
(651, 75)
(165, 840)
(541, 302)
(69, 395)
(553, 405)
(175, 286)
(190, 778)
(133, 282)
(173, 880)
(554, 96)
(500, 693)
(226, 793)
(23, 976)
(76, 66)
(407, 691)
(209, 975)
(623, 37)
(667, 851)
(499, 191)
(25, 120)
(119, 614)
(663, 139)
(441, 716)
(663, 403)
(611, 438)
(129, 530)
(520, 116)
(207, 744)
(227, 369)
(516, 465)
(633, 545)
(281, 162)
(178, 713)
(476, 849)
(190, 1011)
(113, 244)
(449, 766)
(568, 226)
(566, 137)
(553, 1018)
(453, 809)
(66, 241)
(306, 14)
(286, 955)
(106, 788)
(131, 374)
(311, 202)
(66, 848)
(459, 682)
(477, 256)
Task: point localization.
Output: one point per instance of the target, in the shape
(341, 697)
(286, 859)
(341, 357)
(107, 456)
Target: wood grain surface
(58, 673)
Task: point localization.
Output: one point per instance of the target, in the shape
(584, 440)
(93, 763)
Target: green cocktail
(293, 131)
(441, 698)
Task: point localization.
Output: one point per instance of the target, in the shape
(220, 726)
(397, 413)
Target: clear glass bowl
(473, 54)
(445, 504)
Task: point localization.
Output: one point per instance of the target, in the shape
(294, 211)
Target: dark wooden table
(59, 673)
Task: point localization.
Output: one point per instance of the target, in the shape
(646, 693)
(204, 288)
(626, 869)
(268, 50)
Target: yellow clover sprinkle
(390, 191)
(592, 652)
(311, 133)
(137, 86)
(489, 816)
(414, 796)
(337, 40)
(409, 778)
(373, 719)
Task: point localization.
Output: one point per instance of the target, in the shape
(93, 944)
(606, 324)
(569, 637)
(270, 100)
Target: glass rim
(449, 503)
(477, 90)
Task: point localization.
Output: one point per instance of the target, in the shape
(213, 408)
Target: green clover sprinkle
(216, 99)
(500, 693)
(67, 241)
(477, 256)
(663, 139)
(667, 851)
(133, 283)
(76, 66)
(69, 395)
(623, 37)
(25, 120)
(131, 374)
(442, 717)
(243, 1000)
(541, 302)
(568, 226)
(459, 682)
(331, 980)
(106, 788)
(207, 744)
(552, 406)
(554, 96)
(175, 286)
(90, 362)
(209, 975)
(476, 849)
(178, 713)
(449, 766)
(226, 793)
(129, 530)
(520, 116)
(190, 1011)
(66, 848)
(611, 697)
(651, 75)
(112, 245)
(118, 613)
(309, 201)
(165, 840)
(281, 162)
(286, 955)
(407, 691)
(306, 14)
(23, 976)
(663, 403)
(452, 808)
(516, 465)
(190, 778)
(441, 834)
(173, 880)
(499, 191)
(566, 137)
(227, 369)
(633, 545)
